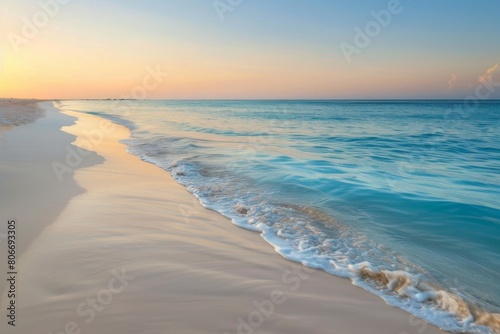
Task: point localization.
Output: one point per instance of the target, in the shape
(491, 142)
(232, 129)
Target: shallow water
(403, 197)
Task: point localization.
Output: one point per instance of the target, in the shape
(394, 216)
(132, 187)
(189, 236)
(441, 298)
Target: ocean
(401, 197)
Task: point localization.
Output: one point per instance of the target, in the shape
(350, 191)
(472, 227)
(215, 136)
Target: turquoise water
(402, 197)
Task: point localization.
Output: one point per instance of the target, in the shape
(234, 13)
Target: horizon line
(252, 99)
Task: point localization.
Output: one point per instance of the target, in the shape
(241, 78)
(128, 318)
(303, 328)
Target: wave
(310, 236)
(314, 238)
(413, 288)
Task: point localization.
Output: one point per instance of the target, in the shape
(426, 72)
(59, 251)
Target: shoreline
(154, 260)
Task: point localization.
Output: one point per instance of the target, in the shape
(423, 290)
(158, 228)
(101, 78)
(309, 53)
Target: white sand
(188, 269)
(31, 192)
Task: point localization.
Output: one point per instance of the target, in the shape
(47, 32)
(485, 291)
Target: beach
(249, 167)
(109, 243)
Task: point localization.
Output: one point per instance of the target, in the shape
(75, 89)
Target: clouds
(489, 72)
(468, 84)
(492, 69)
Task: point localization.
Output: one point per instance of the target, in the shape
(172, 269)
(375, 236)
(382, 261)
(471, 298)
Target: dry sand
(30, 190)
(135, 253)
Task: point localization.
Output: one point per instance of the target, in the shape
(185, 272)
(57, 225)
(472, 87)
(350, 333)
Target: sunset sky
(288, 49)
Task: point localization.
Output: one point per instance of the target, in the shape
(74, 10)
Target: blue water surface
(409, 186)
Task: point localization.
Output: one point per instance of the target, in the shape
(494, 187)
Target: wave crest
(410, 286)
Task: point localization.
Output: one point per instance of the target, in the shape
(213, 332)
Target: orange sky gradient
(89, 52)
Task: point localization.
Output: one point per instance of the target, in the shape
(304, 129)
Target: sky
(249, 49)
